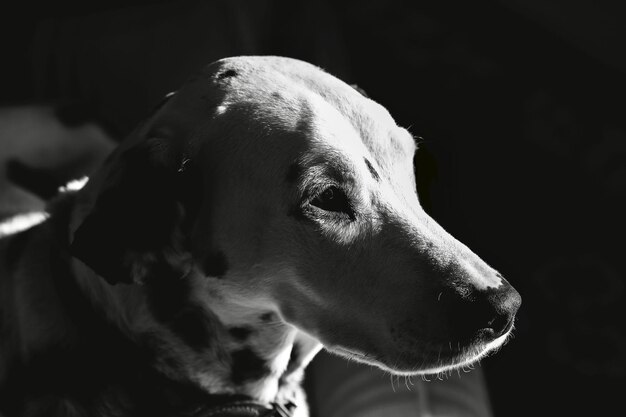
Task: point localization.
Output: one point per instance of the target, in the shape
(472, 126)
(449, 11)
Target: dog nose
(505, 301)
(492, 309)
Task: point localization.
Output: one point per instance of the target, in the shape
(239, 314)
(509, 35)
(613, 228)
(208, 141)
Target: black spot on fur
(267, 317)
(169, 300)
(247, 366)
(294, 357)
(295, 353)
(372, 170)
(193, 326)
(240, 333)
(215, 264)
(227, 74)
(293, 172)
(167, 296)
(296, 211)
(292, 365)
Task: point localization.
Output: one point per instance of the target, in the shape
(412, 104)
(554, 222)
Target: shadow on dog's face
(299, 198)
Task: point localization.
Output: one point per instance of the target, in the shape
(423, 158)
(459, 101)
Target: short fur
(264, 210)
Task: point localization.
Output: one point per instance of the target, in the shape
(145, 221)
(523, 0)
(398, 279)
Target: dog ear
(133, 228)
(129, 232)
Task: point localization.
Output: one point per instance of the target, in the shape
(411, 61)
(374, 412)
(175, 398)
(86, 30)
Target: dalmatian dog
(265, 210)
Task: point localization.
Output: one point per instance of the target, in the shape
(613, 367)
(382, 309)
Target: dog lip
(358, 356)
(488, 335)
(431, 357)
(508, 326)
(495, 333)
(350, 352)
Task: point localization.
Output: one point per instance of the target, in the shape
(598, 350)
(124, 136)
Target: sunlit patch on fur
(221, 109)
(74, 185)
(21, 222)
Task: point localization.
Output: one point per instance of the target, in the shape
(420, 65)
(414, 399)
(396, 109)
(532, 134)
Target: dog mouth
(353, 354)
(431, 358)
(451, 355)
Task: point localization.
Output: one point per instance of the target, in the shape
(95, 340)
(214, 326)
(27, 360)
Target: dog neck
(198, 335)
(222, 347)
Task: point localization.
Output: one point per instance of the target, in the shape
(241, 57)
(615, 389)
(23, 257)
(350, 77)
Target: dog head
(277, 188)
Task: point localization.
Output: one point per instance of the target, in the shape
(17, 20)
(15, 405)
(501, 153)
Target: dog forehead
(289, 94)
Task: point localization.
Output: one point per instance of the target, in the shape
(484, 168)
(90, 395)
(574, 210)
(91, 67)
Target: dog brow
(371, 169)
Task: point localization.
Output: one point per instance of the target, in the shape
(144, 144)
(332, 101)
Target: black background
(520, 106)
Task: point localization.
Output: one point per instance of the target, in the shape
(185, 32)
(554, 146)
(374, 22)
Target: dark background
(520, 105)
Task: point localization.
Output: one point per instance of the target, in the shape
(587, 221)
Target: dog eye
(333, 199)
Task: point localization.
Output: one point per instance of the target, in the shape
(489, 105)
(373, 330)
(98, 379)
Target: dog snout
(491, 309)
(506, 301)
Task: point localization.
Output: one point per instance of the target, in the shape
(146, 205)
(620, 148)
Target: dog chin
(467, 357)
(461, 358)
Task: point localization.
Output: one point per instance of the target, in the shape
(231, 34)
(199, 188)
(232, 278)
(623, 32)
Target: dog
(264, 210)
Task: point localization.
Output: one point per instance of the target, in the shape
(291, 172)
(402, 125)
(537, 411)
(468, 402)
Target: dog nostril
(492, 309)
(506, 301)
(501, 324)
